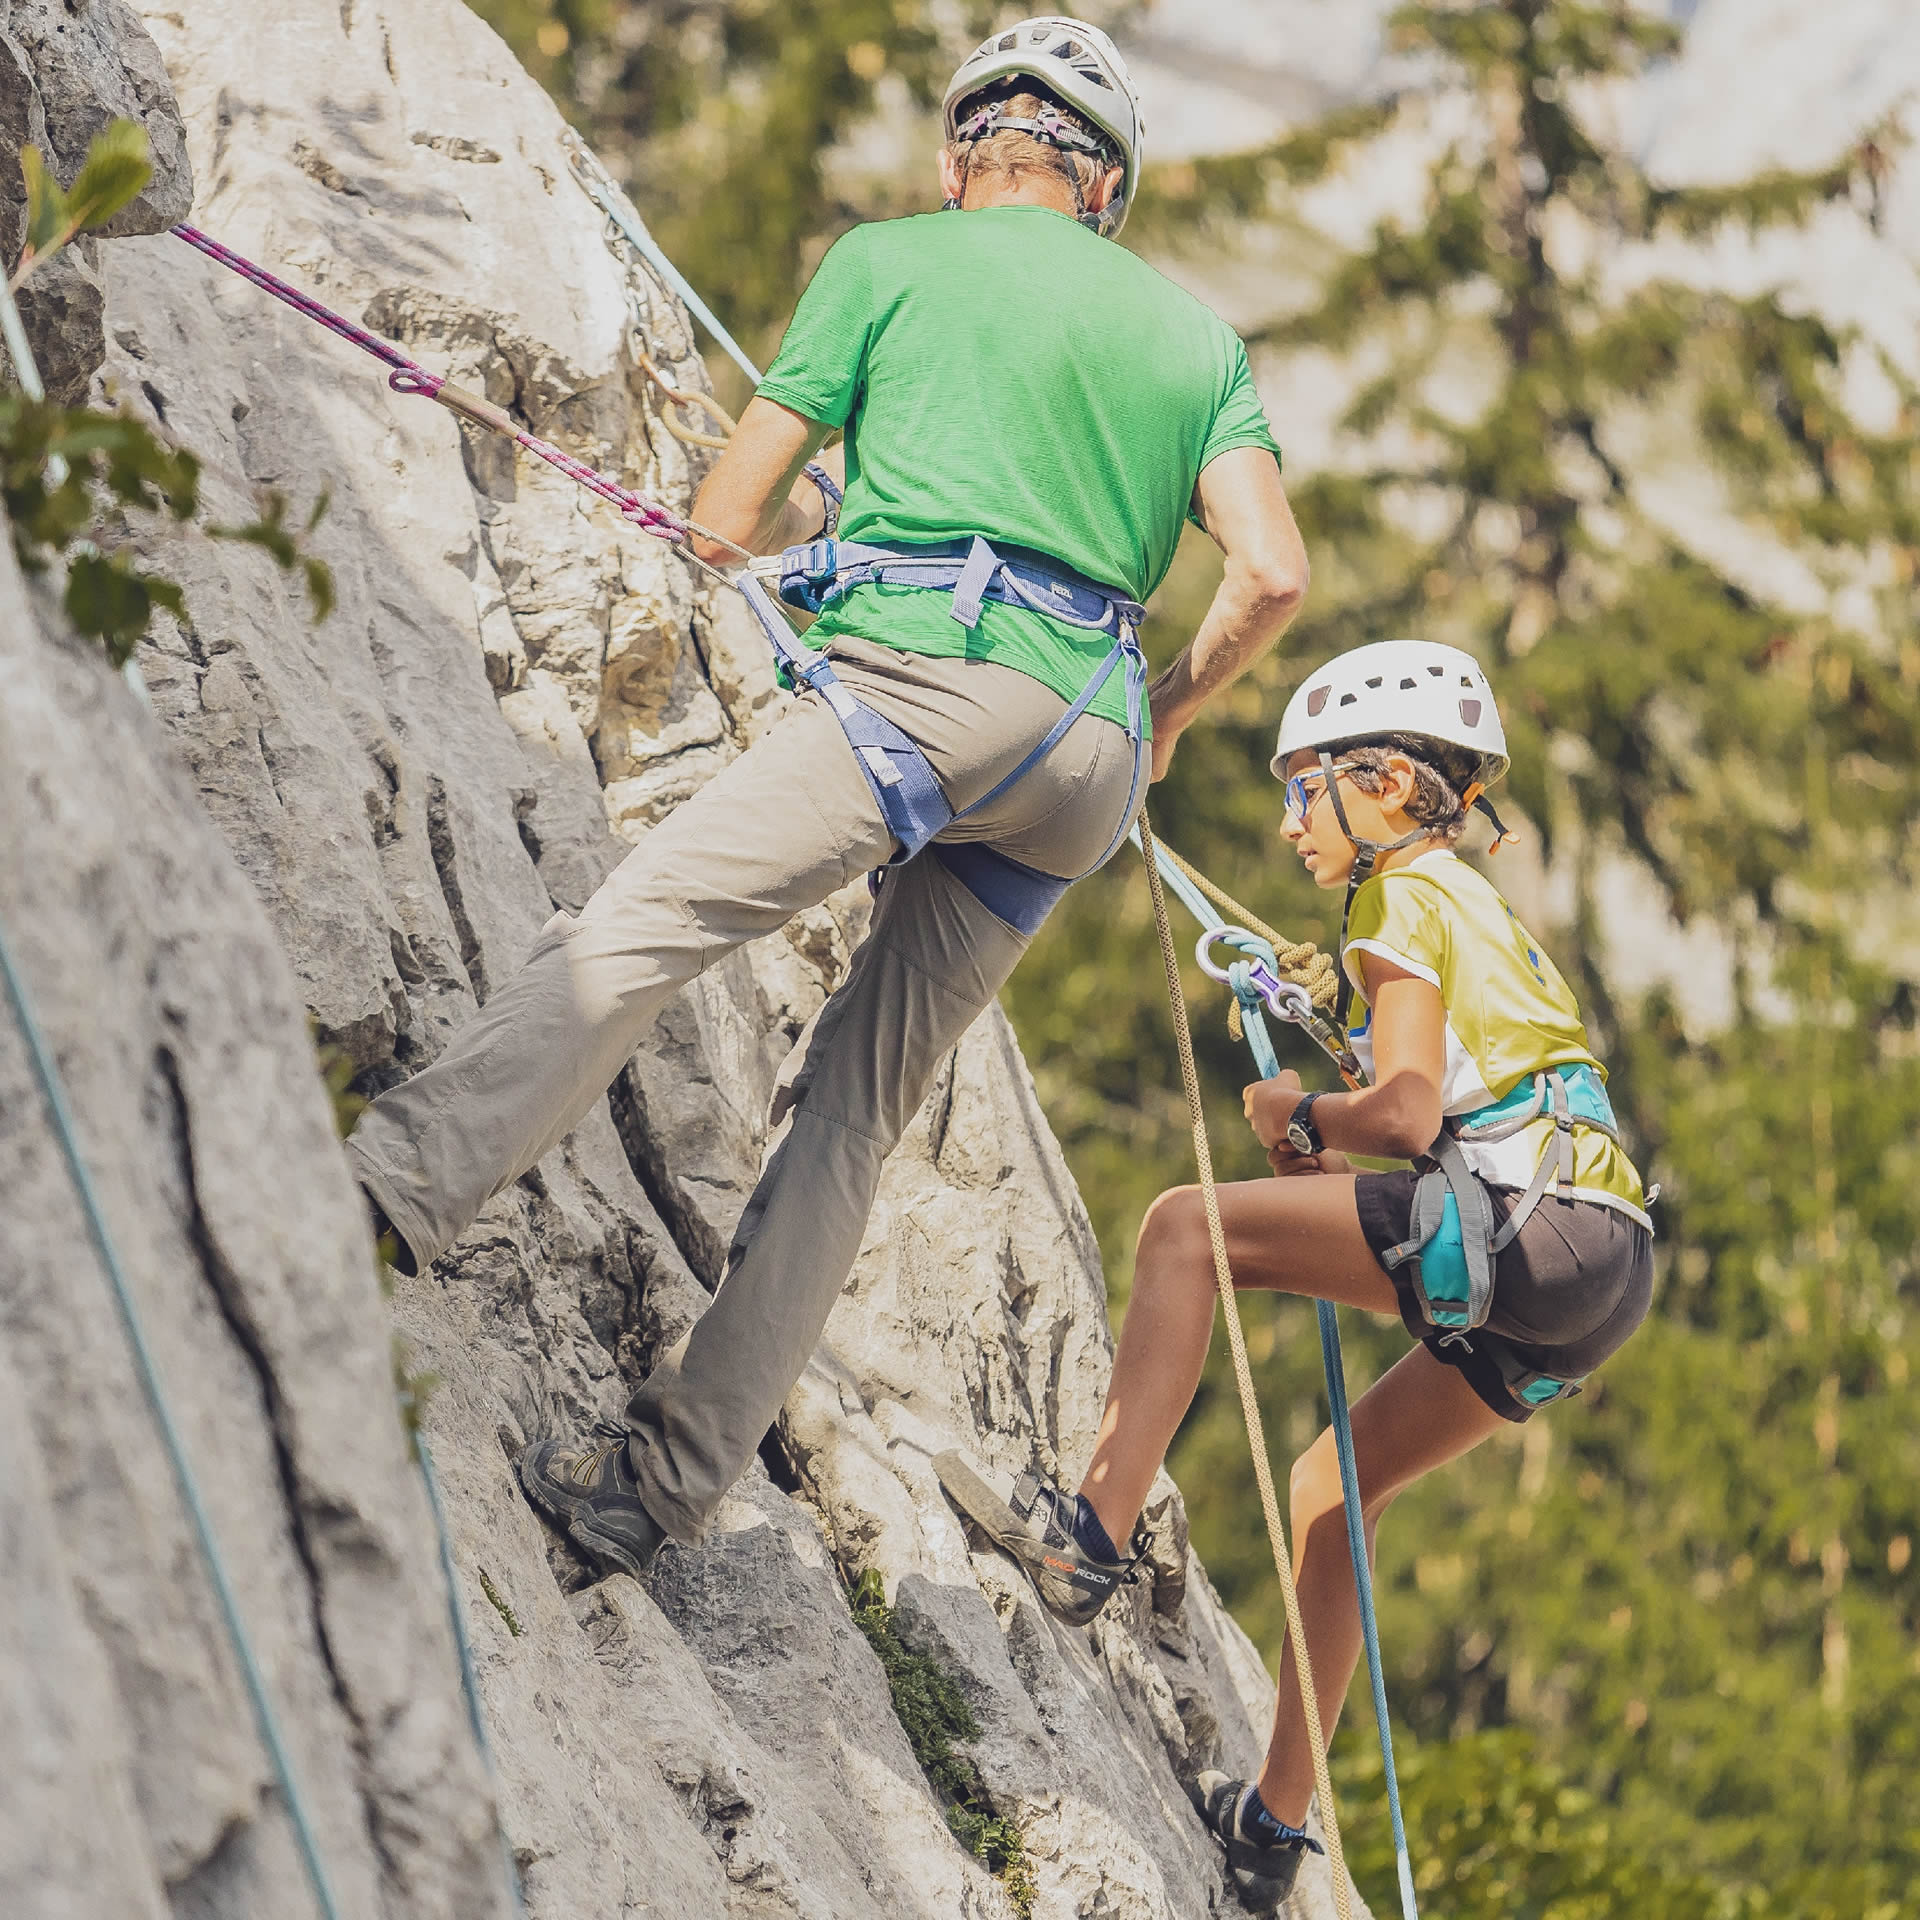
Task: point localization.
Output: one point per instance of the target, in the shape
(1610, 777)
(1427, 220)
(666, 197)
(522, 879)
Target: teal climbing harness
(1255, 982)
(1454, 1237)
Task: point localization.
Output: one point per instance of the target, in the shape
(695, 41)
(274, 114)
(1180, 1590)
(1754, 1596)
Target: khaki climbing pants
(774, 833)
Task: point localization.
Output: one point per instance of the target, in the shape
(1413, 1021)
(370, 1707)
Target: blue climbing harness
(821, 572)
(1453, 1239)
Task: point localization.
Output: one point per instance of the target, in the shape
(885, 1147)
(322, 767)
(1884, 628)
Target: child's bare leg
(1298, 1235)
(1415, 1417)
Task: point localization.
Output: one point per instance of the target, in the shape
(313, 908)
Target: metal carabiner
(1285, 999)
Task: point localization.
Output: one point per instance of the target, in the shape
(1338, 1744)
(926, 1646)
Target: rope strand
(1243, 1376)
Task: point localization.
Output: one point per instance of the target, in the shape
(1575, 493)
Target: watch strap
(1302, 1118)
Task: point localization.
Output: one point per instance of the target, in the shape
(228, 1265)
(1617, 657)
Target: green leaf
(118, 165)
(48, 216)
(107, 598)
(319, 587)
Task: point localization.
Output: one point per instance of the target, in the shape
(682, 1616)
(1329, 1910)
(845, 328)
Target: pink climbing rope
(409, 377)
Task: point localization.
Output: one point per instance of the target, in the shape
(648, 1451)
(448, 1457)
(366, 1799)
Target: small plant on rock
(68, 473)
(934, 1714)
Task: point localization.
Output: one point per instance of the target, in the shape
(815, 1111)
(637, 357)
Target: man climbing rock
(1029, 414)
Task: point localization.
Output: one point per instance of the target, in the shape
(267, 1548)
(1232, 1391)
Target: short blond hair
(1015, 154)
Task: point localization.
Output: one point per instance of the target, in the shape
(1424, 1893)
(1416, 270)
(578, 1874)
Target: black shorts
(1567, 1290)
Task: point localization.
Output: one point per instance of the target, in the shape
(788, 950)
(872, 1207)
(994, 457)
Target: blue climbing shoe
(1032, 1519)
(589, 1490)
(1263, 1853)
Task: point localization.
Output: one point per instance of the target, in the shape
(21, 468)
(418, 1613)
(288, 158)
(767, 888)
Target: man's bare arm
(755, 496)
(1244, 507)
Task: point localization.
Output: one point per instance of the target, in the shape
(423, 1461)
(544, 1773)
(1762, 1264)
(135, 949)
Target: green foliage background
(1655, 1655)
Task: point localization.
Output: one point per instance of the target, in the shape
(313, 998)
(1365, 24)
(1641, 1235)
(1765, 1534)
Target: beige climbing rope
(686, 399)
(1300, 960)
(1242, 1369)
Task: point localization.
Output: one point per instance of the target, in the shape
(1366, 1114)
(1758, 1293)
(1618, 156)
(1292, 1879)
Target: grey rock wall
(67, 68)
(364, 824)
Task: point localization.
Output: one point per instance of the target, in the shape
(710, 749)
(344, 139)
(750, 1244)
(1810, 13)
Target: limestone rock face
(66, 70)
(365, 823)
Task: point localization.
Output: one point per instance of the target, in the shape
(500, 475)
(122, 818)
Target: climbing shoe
(1035, 1522)
(1263, 1853)
(588, 1488)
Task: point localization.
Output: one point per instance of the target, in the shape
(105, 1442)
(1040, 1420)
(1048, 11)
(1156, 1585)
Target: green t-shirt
(1509, 1013)
(1007, 372)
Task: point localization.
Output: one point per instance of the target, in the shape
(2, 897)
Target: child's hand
(1269, 1106)
(1288, 1164)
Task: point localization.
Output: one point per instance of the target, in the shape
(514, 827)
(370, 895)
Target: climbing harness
(1255, 983)
(821, 572)
(902, 779)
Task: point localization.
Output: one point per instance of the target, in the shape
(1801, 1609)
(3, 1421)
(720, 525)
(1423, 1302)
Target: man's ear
(1101, 195)
(951, 186)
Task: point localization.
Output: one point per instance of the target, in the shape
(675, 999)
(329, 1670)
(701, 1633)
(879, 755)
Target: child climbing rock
(1518, 1253)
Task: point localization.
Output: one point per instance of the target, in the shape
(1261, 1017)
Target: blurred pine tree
(1691, 1589)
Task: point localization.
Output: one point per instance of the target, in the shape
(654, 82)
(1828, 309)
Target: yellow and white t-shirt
(1509, 1013)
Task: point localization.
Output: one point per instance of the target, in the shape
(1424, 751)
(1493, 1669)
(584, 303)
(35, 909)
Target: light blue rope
(463, 1644)
(144, 1363)
(1267, 1062)
(617, 209)
(1195, 902)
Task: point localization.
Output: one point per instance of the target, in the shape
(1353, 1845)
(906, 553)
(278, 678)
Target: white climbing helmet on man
(1083, 70)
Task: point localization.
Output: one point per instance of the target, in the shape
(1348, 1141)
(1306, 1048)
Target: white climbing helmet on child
(1416, 687)
(1393, 689)
(1081, 68)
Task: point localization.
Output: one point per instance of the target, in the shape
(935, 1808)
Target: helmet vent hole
(1070, 50)
(1008, 41)
(1470, 712)
(1410, 686)
(1466, 680)
(1317, 702)
(1376, 681)
(1439, 673)
(1348, 699)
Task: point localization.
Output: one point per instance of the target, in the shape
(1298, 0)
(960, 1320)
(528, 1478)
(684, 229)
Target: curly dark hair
(1441, 776)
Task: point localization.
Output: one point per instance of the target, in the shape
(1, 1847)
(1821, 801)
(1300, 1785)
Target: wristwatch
(1302, 1135)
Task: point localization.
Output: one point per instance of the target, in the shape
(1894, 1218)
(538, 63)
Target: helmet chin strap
(1366, 858)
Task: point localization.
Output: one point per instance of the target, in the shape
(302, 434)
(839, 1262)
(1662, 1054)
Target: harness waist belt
(815, 576)
(903, 781)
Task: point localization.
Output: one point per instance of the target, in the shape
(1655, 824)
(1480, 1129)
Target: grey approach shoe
(1263, 1853)
(1033, 1520)
(587, 1488)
